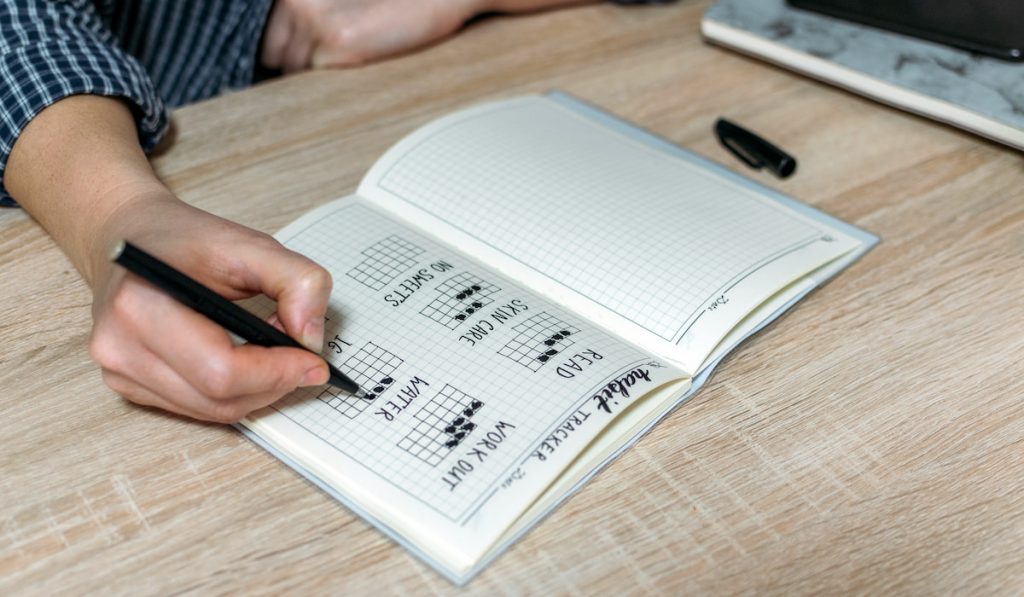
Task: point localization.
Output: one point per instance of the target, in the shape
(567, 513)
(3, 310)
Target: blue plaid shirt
(151, 53)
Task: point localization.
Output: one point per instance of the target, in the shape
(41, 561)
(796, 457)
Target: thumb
(301, 289)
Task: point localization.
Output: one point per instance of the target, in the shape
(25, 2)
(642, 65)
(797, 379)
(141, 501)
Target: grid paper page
(652, 238)
(458, 298)
(457, 397)
(373, 368)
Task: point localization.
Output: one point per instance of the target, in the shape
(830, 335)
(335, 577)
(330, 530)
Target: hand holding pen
(157, 352)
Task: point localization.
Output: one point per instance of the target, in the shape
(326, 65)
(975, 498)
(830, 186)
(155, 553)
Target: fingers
(301, 289)
(298, 53)
(157, 352)
(187, 402)
(373, 33)
(324, 33)
(139, 394)
(257, 264)
(342, 44)
(203, 354)
(288, 40)
(277, 35)
(274, 321)
(366, 31)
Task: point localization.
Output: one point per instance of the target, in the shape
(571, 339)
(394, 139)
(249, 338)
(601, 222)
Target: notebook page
(657, 249)
(481, 392)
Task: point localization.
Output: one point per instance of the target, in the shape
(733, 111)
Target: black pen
(218, 309)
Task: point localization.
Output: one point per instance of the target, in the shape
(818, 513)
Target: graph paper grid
(538, 341)
(458, 298)
(384, 261)
(441, 425)
(373, 368)
(558, 194)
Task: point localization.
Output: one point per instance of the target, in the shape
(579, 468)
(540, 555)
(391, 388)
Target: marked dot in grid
(460, 296)
(538, 340)
(441, 425)
(384, 261)
(373, 368)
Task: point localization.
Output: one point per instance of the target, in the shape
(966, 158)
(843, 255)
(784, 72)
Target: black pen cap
(753, 150)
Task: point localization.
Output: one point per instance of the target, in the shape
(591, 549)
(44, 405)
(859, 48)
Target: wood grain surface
(872, 440)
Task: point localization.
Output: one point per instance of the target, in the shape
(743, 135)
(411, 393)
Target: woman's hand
(156, 352)
(79, 170)
(338, 33)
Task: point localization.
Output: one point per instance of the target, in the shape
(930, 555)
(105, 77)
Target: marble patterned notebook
(977, 93)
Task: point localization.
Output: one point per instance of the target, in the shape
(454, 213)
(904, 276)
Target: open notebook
(524, 288)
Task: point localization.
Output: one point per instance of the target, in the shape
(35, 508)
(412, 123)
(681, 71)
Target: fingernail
(317, 376)
(313, 335)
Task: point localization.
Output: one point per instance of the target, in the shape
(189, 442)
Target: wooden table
(871, 440)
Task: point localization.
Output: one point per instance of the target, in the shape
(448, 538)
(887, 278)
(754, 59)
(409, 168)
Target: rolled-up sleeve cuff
(36, 75)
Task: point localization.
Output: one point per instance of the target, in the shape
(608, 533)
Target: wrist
(75, 166)
(131, 211)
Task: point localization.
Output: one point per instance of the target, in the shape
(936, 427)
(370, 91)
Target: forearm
(73, 167)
